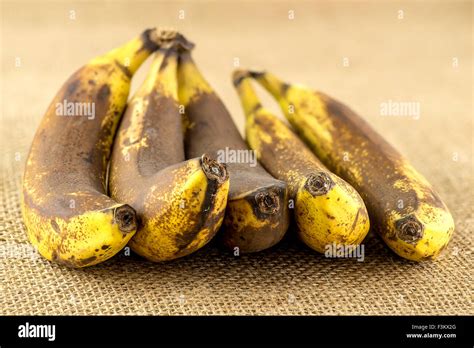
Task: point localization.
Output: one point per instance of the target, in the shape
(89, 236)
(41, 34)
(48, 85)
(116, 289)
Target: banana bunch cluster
(144, 171)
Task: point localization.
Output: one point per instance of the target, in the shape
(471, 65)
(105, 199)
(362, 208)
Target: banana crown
(130, 56)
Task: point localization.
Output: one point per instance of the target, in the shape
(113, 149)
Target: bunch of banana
(257, 214)
(327, 210)
(180, 203)
(68, 216)
(403, 207)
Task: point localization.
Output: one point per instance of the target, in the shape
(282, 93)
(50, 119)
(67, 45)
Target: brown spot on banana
(180, 203)
(327, 209)
(66, 211)
(404, 208)
(257, 215)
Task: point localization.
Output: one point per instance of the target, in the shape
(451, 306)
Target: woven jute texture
(425, 57)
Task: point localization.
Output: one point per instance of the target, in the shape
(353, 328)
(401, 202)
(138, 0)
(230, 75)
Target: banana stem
(246, 92)
(152, 75)
(169, 73)
(163, 74)
(271, 83)
(133, 54)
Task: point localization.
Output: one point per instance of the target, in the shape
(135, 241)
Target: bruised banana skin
(68, 216)
(403, 207)
(257, 215)
(327, 209)
(181, 204)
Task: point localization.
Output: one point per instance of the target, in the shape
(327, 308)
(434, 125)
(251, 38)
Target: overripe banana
(67, 214)
(181, 204)
(403, 207)
(327, 211)
(257, 214)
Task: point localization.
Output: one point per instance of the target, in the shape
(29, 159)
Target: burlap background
(426, 57)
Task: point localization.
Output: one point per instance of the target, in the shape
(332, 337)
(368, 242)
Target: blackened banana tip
(409, 229)
(319, 184)
(256, 74)
(213, 169)
(183, 43)
(126, 217)
(238, 76)
(165, 38)
(268, 202)
(151, 40)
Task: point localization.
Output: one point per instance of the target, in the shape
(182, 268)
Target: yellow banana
(328, 211)
(68, 216)
(180, 204)
(257, 215)
(403, 207)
